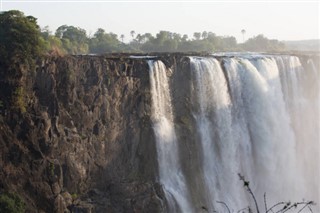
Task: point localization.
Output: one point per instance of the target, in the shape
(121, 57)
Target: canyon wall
(85, 140)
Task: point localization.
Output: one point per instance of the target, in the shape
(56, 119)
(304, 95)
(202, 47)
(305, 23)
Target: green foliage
(72, 33)
(103, 42)
(11, 203)
(261, 43)
(51, 42)
(74, 196)
(19, 100)
(74, 39)
(19, 37)
(51, 168)
(164, 41)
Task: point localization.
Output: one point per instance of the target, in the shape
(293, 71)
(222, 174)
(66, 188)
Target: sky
(282, 19)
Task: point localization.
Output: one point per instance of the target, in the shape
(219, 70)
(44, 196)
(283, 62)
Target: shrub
(19, 100)
(11, 203)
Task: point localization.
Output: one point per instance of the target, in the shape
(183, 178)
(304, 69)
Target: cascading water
(271, 139)
(254, 115)
(301, 88)
(170, 172)
(213, 118)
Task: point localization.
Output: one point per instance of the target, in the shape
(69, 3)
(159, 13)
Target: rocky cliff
(83, 141)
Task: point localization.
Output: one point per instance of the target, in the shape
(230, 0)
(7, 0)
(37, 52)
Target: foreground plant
(280, 207)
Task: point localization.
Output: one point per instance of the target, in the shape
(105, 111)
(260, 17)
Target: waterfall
(302, 97)
(170, 172)
(213, 118)
(252, 114)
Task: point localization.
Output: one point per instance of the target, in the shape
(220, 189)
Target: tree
(20, 38)
(261, 43)
(197, 35)
(132, 32)
(243, 31)
(148, 36)
(227, 43)
(184, 37)
(45, 32)
(122, 37)
(74, 39)
(204, 35)
(99, 33)
(20, 45)
(103, 42)
(140, 38)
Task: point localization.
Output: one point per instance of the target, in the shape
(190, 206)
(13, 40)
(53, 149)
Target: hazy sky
(283, 20)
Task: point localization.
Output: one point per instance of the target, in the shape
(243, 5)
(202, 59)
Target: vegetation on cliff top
(21, 44)
(21, 39)
(74, 40)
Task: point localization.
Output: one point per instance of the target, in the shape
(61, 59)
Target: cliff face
(85, 141)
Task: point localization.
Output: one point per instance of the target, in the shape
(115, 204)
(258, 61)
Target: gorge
(161, 132)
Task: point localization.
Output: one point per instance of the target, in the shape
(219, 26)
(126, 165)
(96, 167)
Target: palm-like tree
(243, 31)
(132, 34)
(122, 37)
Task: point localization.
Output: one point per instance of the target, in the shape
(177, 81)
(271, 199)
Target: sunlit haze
(283, 20)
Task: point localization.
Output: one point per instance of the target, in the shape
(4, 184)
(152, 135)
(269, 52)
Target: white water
(301, 88)
(170, 172)
(259, 116)
(214, 120)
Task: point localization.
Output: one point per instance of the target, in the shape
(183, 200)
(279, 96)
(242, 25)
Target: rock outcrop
(85, 142)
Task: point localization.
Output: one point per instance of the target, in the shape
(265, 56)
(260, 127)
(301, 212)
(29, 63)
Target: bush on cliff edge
(20, 45)
(20, 38)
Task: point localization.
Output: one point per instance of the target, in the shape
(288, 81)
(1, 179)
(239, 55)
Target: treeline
(74, 40)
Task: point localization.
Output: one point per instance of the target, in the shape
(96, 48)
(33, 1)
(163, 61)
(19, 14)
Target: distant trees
(74, 39)
(122, 37)
(204, 34)
(166, 41)
(103, 42)
(22, 37)
(132, 32)
(243, 31)
(261, 43)
(197, 35)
